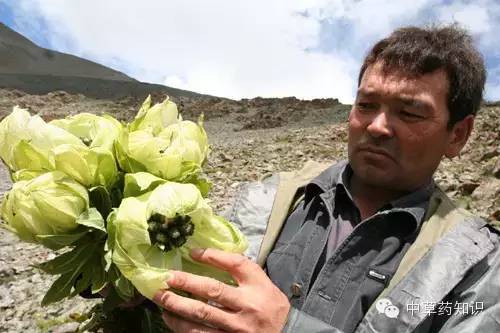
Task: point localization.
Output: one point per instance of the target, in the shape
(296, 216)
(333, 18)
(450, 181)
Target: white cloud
(226, 48)
(367, 24)
(482, 18)
(239, 48)
(474, 17)
(492, 92)
(175, 81)
(372, 17)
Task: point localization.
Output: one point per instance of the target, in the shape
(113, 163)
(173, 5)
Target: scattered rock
(496, 169)
(225, 157)
(6, 299)
(306, 130)
(489, 190)
(467, 188)
(67, 328)
(490, 154)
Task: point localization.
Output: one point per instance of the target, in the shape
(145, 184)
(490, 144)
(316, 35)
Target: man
(372, 245)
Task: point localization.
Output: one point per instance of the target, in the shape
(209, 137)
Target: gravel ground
(237, 156)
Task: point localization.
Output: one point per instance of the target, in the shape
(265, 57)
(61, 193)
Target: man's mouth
(375, 150)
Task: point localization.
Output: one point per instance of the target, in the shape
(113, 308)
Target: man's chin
(379, 175)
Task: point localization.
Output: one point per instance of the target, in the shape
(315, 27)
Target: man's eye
(365, 106)
(411, 115)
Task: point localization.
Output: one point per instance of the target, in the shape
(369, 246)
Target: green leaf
(92, 275)
(192, 173)
(112, 300)
(116, 191)
(55, 242)
(81, 268)
(100, 199)
(99, 276)
(121, 285)
(111, 229)
(60, 289)
(108, 259)
(82, 282)
(147, 321)
(125, 288)
(201, 182)
(67, 261)
(91, 218)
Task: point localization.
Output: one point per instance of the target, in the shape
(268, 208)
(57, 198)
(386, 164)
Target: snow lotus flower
(91, 162)
(153, 233)
(165, 146)
(155, 118)
(25, 141)
(47, 206)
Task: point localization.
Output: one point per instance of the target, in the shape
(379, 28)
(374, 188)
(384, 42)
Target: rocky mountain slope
(37, 70)
(249, 138)
(21, 56)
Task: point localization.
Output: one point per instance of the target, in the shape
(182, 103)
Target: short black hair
(417, 51)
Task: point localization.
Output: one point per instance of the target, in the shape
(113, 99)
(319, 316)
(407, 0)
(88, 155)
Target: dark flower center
(169, 233)
(86, 141)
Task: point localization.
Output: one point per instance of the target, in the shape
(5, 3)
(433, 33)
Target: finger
(194, 310)
(239, 266)
(206, 288)
(179, 325)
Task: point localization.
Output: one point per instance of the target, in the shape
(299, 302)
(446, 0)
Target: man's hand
(255, 305)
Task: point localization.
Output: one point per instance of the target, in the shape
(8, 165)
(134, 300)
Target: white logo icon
(391, 311)
(384, 305)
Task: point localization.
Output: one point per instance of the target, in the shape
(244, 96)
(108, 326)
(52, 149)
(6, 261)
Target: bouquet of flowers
(122, 202)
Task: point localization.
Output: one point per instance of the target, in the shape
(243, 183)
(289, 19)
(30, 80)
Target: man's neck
(369, 199)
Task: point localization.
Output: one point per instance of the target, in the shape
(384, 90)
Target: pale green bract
(176, 153)
(144, 263)
(26, 174)
(93, 163)
(98, 131)
(155, 118)
(25, 141)
(136, 184)
(47, 205)
(188, 140)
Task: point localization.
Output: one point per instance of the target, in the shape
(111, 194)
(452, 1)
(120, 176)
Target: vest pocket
(282, 267)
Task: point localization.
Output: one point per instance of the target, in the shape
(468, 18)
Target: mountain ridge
(22, 56)
(36, 70)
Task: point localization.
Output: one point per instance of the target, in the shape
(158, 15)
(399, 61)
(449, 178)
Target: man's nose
(380, 125)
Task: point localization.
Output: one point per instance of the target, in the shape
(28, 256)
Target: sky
(244, 49)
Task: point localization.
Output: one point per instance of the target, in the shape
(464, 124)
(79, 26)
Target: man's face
(398, 128)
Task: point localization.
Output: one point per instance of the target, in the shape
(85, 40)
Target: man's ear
(459, 135)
